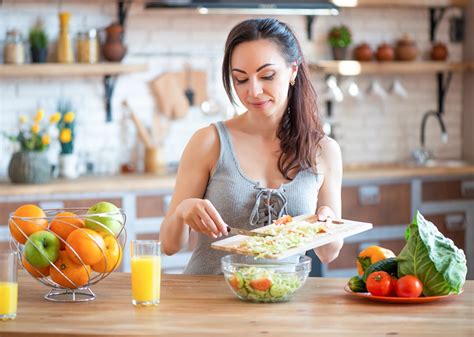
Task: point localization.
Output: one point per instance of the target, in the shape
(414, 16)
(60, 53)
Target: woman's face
(261, 77)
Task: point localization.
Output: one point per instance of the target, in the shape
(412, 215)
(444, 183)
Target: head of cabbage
(433, 258)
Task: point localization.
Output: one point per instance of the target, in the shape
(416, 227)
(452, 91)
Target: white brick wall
(368, 130)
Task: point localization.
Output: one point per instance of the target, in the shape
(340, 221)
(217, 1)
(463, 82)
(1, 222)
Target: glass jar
(88, 47)
(14, 50)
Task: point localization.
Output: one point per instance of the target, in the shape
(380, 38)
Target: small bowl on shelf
(264, 280)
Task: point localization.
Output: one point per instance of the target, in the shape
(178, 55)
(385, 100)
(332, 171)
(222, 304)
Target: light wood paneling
(76, 69)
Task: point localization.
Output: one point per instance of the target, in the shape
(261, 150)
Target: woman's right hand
(201, 216)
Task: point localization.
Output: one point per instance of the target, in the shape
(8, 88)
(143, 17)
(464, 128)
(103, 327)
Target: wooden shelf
(352, 68)
(76, 69)
(401, 3)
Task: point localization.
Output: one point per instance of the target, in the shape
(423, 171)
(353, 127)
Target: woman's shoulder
(329, 154)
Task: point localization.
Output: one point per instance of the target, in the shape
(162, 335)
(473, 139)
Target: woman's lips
(259, 104)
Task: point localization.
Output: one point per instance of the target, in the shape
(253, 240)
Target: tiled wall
(368, 129)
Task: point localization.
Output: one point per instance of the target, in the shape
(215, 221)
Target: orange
(32, 219)
(34, 271)
(113, 255)
(88, 244)
(78, 274)
(64, 224)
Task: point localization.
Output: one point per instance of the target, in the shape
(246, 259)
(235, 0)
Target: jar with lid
(14, 50)
(88, 47)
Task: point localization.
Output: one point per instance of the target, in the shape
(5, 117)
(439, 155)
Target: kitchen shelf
(76, 69)
(352, 68)
(401, 3)
(109, 71)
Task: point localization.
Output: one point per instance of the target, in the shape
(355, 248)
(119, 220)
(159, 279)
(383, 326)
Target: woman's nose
(255, 88)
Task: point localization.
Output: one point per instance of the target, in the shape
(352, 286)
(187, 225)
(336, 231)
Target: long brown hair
(300, 129)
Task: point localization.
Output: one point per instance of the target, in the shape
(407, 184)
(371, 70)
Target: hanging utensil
(189, 92)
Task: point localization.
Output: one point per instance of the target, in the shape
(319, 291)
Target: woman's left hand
(330, 251)
(325, 212)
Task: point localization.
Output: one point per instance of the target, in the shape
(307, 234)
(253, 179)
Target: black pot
(339, 53)
(39, 55)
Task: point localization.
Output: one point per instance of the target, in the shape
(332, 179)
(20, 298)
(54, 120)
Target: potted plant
(30, 163)
(67, 157)
(339, 39)
(38, 44)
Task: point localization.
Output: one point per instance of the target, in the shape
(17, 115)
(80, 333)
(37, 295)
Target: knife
(233, 230)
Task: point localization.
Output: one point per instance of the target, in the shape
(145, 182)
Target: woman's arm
(329, 197)
(187, 209)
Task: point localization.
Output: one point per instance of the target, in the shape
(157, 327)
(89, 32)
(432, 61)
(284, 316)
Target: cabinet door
(379, 204)
(448, 190)
(452, 225)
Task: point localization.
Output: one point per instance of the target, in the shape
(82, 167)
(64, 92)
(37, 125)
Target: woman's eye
(240, 81)
(269, 77)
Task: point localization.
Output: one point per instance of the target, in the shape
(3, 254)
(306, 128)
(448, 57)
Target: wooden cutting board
(335, 232)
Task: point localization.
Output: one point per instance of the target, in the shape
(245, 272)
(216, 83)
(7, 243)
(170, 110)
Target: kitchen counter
(204, 306)
(130, 182)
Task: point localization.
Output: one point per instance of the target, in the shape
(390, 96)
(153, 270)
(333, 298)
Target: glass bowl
(265, 280)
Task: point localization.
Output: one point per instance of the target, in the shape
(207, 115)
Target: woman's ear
(294, 71)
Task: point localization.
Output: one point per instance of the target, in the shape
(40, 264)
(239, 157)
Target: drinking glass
(146, 272)
(8, 285)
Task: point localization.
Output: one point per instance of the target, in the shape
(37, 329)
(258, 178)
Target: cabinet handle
(369, 195)
(455, 222)
(467, 189)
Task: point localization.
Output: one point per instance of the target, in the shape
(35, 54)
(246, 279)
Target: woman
(269, 161)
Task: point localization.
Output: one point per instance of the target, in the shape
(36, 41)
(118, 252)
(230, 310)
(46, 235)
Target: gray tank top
(243, 203)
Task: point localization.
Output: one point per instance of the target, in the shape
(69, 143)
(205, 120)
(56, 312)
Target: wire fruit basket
(68, 249)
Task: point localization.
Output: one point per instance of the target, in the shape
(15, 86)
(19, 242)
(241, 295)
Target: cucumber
(357, 284)
(388, 265)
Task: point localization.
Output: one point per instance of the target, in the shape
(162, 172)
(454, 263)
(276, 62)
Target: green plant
(339, 36)
(38, 38)
(34, 135)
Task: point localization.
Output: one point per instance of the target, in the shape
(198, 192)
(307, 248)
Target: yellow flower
(45, 139)
(23, 119)
(54, 118)
(65, 136)
(39, 115)
(35, 128)
(69, 117)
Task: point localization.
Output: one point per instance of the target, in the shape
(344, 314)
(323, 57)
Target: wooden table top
(204, 306)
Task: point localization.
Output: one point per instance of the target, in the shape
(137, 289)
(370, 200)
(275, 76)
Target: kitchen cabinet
(390, 205)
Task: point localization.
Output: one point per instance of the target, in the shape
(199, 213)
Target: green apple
(104, 216)
(42, 247)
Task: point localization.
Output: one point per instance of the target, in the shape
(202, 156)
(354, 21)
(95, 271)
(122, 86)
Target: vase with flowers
(67, 158)
(30, 165)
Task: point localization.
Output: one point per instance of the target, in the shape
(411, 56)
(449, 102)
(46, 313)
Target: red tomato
(379, 283)
(394, 281)
(262, 284)
(234, 282)
(409, 286)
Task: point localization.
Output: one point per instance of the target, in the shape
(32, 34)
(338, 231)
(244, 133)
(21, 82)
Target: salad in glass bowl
(264, 280)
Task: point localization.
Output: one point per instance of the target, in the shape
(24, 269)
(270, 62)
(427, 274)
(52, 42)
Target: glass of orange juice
(146, 272)
(8, 285)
